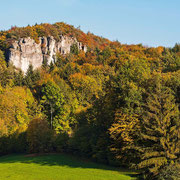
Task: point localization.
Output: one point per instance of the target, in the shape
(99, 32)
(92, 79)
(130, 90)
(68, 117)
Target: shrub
(39, 136)
(15, 143)
(61, 142)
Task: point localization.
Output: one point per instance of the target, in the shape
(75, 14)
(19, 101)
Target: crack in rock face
(26, 51)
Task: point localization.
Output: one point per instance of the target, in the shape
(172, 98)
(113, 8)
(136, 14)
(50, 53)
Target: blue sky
(150, 22)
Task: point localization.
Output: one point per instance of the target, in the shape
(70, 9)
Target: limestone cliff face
(26, 51)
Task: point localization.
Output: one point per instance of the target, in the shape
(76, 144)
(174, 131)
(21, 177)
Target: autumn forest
(115, 104)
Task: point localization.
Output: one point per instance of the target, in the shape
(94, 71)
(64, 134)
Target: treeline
(56, 30)
(117, 104)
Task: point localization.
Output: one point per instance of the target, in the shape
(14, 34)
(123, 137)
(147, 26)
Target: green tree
(31, 77)
(51, 66)
(74, 49)
(70, 103)
(176, 48)
(2, 62)
(19, 78)
(159, 143)
(2, 66)
(86, 87)
(53, 103)
(60, 60)
(6, 73)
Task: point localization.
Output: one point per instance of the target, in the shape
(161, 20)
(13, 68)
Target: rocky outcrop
(26, 51)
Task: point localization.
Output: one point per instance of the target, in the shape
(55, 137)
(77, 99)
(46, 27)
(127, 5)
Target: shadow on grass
(61, 160)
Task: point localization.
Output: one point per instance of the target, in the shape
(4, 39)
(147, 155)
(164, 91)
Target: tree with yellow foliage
(123, 132)
(15, 113)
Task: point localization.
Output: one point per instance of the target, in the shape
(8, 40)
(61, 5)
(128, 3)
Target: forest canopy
(117, 104)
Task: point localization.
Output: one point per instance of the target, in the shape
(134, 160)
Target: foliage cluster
(117, 104)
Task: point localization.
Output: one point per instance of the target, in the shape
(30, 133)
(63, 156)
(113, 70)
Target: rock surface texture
(26, 51)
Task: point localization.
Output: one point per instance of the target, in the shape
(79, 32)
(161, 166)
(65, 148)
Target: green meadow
(57, 167)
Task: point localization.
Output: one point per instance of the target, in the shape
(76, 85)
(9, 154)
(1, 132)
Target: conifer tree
(19, 78)
(51, 67)
(159, 143)
(31, 77)
(74, 49)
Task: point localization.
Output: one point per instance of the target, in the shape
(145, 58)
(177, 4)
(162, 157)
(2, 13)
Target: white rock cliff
(26, 51)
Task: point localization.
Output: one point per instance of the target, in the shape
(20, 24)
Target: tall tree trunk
(51, 114)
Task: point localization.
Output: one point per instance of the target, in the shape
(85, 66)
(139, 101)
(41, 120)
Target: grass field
(57, 167)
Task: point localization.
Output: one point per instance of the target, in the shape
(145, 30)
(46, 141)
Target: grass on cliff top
(57, 167)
